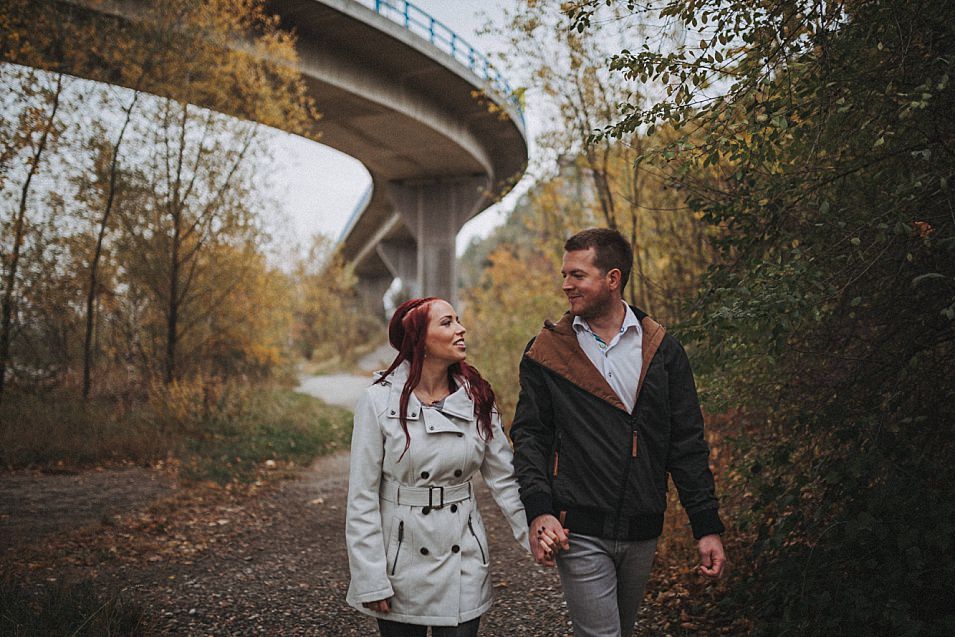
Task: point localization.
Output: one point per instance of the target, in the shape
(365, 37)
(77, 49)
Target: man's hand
(381, 606)
(547, 536)
(712, 558)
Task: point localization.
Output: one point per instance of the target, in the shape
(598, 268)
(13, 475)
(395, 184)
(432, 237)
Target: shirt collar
(629, 320)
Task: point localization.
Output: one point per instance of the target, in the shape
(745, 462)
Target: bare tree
(37, 122)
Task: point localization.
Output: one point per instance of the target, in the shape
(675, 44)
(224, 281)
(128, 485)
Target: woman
(417, 547)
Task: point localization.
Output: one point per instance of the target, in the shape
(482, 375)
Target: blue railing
(423, 25)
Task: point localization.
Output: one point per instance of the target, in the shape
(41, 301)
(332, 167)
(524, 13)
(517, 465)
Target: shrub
(68, 609)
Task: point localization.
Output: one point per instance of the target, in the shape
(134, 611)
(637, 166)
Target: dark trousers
(398, 629)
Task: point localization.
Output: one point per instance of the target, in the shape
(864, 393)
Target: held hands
(380, 606)
(547, 537)
(712, 558)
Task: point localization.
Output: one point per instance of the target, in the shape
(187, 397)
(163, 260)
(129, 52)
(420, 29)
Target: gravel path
(342, 390)
(271, 563)
(289, 575)
(35, 505)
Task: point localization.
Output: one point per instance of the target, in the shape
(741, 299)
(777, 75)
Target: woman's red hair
(407, 332)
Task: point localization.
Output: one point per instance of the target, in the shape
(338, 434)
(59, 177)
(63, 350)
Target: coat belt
(431, 496)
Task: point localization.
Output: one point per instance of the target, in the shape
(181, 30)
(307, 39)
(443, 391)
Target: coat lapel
(557, 349)
(458, 403)
(653, 334)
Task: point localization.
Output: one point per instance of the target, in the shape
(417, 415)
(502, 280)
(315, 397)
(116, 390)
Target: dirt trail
(272, 564)
(34, 505)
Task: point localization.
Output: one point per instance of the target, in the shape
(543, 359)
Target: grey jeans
(603, 582)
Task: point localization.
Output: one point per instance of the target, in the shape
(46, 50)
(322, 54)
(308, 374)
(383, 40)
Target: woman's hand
(381, 606)
(547, 537)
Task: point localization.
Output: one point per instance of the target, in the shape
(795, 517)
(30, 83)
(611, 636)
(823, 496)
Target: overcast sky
(318, 187)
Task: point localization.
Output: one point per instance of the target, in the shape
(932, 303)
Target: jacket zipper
(471, 528)
(401, 537)
(626, 475)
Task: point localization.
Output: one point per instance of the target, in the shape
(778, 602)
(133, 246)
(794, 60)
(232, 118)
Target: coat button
(425, 510)
(454, 508)
(425, 475)
(392, 412)
(431, 428)
(424, 550)
(455, 548)
(457, 473)
(414, 414)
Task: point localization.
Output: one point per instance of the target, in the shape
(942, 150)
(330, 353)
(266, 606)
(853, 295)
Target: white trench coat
(432, 562)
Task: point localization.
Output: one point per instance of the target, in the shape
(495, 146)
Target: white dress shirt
(619, 361)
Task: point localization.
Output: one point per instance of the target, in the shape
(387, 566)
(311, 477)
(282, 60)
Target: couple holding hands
(607, 410)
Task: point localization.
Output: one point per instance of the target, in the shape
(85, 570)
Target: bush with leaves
(832, 319)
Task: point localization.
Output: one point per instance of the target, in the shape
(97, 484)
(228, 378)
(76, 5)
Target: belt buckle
(431, 503)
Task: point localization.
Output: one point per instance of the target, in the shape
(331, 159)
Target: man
(607, 409)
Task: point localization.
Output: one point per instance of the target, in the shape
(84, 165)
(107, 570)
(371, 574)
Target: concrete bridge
(422, 110)
(427, 116)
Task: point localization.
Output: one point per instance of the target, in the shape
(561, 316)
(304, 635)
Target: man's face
(587, 287)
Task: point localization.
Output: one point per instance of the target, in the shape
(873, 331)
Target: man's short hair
(611, 250)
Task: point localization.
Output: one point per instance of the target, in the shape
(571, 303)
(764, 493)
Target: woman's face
(444, 340)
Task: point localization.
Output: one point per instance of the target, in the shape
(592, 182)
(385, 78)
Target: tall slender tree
(38, 125)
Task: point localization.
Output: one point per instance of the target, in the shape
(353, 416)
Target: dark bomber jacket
(579, 455)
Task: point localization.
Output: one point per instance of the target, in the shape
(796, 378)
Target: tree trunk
(172, 313)
(176, 212)
(6, 314)
(94, 265)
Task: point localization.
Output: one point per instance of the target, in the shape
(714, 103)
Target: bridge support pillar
(434, 212)
(372, 293)
(402, 260)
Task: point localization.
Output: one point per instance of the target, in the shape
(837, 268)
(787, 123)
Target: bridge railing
(425, 26)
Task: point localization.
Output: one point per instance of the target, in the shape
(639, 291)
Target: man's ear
(614, 276)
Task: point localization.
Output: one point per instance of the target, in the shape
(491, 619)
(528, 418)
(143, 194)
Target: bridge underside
(438, 148)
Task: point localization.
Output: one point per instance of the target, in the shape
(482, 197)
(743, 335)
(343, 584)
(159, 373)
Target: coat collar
(459, 403)
(557, 349)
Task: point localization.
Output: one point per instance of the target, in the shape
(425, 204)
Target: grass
(278, 425)
(217, 431)
(68, 609)
(56, 429)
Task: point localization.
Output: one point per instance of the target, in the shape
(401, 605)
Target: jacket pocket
(476, 539)
(401, 539)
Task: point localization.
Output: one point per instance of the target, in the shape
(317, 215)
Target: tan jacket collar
(557, 349)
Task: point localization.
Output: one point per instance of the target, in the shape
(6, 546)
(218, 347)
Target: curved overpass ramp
(419, 107)
(428, 118)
